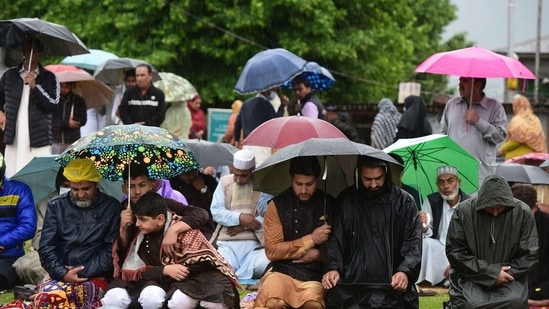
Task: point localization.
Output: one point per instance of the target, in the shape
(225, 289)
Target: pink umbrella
(94, 92)
(283, 131)
(474, 62)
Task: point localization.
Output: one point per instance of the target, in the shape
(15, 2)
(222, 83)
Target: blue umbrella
(319, 77)
(267, 69)
(89, 61)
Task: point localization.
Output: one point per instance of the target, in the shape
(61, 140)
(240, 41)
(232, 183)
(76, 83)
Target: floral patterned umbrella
(114, 147)
(175, 87)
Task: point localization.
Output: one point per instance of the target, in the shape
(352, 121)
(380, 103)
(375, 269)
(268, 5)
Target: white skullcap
(447, 169)
(244, 160)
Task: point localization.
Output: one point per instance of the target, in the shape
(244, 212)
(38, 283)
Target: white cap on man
(447, 169)
(244, 160)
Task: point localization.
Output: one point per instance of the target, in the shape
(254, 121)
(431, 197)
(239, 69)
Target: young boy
(196, 275)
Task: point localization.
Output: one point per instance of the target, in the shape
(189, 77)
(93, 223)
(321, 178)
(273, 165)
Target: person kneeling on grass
(196, 275)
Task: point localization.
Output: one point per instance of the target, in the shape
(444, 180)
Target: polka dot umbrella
(319, 77)
(115, 147)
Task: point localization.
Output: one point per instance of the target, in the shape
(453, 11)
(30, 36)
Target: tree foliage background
(369, 45)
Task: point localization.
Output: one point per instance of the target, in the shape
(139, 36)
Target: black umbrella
(112, 71)
(514, 172)
(58, 40)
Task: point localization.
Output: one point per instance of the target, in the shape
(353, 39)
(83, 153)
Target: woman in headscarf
(198, 128)
(414, 121)
(385, 123)
(524, 131)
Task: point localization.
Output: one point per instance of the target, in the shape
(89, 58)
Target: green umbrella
(423, 155)
(175, 87)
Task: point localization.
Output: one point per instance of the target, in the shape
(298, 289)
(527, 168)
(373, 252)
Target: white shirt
(447, 213)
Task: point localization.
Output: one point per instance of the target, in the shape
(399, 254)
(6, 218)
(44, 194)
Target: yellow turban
(81, 169)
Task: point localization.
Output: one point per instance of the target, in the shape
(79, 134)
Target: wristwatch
(204, 190)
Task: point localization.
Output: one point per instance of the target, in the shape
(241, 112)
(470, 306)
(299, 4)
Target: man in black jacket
(68, 117)
(143, 104)
(28, 96)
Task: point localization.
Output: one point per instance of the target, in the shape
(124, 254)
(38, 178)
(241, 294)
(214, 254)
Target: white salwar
(151, 297)
(19, 153)
(433, 256)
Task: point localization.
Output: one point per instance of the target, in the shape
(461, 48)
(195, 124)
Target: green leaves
(375, 44)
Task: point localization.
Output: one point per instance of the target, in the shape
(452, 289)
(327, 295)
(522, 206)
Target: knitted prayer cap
(447, 169)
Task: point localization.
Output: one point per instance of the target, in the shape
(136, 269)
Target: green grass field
(430, 302)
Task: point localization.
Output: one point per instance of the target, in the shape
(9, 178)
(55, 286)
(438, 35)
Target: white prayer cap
(447, 169)
(244, 160)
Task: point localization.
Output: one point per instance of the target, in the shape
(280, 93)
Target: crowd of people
(187, 242)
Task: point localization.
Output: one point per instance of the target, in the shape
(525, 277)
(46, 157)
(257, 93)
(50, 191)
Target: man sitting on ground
(439, 207)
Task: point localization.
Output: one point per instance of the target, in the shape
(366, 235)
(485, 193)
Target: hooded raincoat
(373, 237)
(479, 244)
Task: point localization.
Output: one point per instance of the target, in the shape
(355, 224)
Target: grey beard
(451, 196)
(84, 204)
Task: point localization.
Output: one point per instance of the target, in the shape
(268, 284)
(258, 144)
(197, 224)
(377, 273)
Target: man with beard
(373, 254)
(295, 228)
(435, 216)
(67, 118)
(478, 126)
(79, 229)
(239, 234)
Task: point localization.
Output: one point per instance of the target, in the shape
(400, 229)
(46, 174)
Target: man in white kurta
(436, 213)
(234, 208)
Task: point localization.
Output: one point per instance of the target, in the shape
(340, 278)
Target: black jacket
(372, 238)
(43, 100)
(62, 133)
(150, 108)
(75, 236)
(255, 111)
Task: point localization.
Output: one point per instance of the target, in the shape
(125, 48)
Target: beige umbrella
(94, 92)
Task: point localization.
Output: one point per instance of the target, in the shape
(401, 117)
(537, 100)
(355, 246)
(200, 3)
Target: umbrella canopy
(532, 158)
(89, 61)
(210, 153)
(337, 157)
(94, 92)
(283, 131)
(474, 62)
(58, 40)
(175, 87)
(114, 147)
(267, 69)
(319, 77)
(40, 173)
(423, 155)
(112, 71)
(514, 172)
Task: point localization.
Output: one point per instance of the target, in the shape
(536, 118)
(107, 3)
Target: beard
(374, 193)
(451, 196)
(84, 203)
(242, 193)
